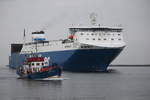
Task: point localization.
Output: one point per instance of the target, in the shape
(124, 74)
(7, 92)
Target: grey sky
(56, 15)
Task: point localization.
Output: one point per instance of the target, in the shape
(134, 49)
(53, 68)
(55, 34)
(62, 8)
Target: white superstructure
(79, 38)
(99, 36)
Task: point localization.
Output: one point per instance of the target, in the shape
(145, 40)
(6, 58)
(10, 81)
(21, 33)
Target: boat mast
(36, 47)
(24, 36)
(93, 19)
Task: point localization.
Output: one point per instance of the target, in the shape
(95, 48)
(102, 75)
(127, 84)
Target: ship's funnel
(38, 36)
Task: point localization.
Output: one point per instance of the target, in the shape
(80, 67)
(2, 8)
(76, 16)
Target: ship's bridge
(98, 36)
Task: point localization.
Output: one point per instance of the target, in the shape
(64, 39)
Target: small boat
(38, 68)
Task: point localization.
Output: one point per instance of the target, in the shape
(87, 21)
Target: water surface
(122, 83)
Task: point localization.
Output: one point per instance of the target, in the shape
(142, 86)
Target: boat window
(104, 38)
(93, 38)
(118, 34)
(87, 38)
(42, 64)
(92, 34)
(119, 39)
(37, 64)
(82, 46)
(112, 39)
(32, 64)
(99, 39)
(46, 62)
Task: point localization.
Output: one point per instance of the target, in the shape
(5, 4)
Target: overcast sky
(54, 16)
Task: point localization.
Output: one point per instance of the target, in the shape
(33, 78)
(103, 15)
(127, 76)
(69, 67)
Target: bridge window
(112, 39)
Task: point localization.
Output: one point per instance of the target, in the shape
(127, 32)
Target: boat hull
(81, 60)
(42, 75)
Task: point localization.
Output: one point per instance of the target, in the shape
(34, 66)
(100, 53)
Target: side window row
(102, 39)
(37, 64)
(99, 34)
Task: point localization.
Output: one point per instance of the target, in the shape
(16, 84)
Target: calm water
(120, 84)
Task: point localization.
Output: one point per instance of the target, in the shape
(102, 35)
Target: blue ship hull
(83, 60)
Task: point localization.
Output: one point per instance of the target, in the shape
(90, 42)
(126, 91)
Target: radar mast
(93, 18)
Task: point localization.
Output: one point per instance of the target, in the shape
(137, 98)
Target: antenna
(24, 36)
(93, 18)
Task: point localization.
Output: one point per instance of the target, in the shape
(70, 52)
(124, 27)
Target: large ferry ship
(86, 49)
